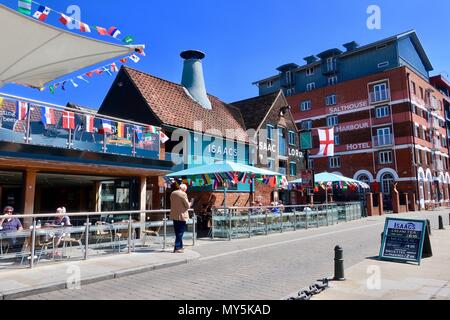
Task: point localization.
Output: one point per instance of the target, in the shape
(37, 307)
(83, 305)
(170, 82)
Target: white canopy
(33, 53)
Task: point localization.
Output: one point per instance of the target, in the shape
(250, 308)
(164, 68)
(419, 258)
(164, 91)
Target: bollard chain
(308, 293)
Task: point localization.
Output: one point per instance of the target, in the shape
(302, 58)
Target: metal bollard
(441, 223)
(339, 264)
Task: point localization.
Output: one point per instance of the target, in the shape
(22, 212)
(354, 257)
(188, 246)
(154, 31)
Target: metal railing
(83, 235)
(50, 125)
(237, 222)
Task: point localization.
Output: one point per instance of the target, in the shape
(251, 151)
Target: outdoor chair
(152, 234)
(103, 233)
(122, 234)
(68, 240)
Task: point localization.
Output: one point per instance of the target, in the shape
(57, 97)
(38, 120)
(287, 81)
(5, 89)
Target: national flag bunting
(114, 67)
(114, 32)
(84, 27)
(89, 124)
(101, 31)
(135, 58)
(162, 137)
(152, 129)
(74, 83)
(140, 50)
(65, 20)
(21, 110)
(106, 127)
(42, 13)
(128, 40)
(68, 120)
(24, 7)
(138, 133)
(48, 116)
(105, 69)
(82, 78)
(124, 60)
(120, 130)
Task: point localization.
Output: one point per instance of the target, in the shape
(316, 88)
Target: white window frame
(309, 127)
(337, 139)
(332, 80)
(335, 162)
(269, 161)
(382, 112)
(331, 64)
(310, 72)
(383, 64)
(291, 138)
(378, 92)
(331, 100)
(269, 84)
(305, 105)
(385, 157)
(384, 136)
(310, 86)
(311, 163)
(296, 169)
(290, 92)
(332, 121)
(270, 131)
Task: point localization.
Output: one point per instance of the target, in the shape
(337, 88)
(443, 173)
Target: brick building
(388, 117)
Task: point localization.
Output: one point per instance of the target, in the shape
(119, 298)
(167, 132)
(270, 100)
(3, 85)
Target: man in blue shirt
(9, 224)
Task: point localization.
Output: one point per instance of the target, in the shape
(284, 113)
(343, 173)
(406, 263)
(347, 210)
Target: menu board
(403, 239)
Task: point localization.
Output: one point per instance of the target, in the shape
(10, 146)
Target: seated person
(275, 207)
(61, 220)
(10, 225)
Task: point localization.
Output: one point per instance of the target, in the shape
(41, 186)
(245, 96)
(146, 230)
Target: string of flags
(328, 186)
(84, 122)
(109, 69)
(43, 12)
(216, 180)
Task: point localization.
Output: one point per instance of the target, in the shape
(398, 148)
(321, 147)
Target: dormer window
(269, 84)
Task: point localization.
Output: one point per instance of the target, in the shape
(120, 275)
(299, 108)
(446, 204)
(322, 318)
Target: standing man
(179, 213)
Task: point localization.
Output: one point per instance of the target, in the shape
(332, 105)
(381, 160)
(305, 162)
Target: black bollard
(441, 223)
(429, 226)
(339, 264)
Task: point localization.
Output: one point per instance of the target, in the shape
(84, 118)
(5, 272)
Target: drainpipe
(408, 85)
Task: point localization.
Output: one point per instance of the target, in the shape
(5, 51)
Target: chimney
(350, 46)
(193, 80)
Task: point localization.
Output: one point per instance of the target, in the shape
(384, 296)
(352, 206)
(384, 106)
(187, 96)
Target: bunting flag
(24, 7)
(21, 110)
(207, 179)
(1, 102)
(128, 40)
(124, 60)
(63, 86)
(42, 13)
(114, 67)
(48, 116)
(89, 124)
(105, 69)
(74, 83)
(162, 137)
(218, 177)
(52, 89)
(114, 32)
(243, 178)
(65, 20)
(138, 134)
(84, 27)
(135, 58)
(82, 78)
(98, 71)
(140, 51)
(90, 74)
(152, 129)
(120, 130)
(68, 120)
(101, 31)
(106, 127)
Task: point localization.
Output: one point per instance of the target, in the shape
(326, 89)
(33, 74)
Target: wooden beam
(29, 189)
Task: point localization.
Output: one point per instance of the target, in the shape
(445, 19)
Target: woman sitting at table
(61, 220)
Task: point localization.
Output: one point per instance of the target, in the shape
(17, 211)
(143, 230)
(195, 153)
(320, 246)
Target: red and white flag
(89, 124)
(162, 137)
(114, 67)
(65, 20)
(84, 27)
(326, 138)
(68, 120)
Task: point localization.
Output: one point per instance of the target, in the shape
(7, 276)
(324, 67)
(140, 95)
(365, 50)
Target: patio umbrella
(35, 53)
(326, 177)
(225, 169)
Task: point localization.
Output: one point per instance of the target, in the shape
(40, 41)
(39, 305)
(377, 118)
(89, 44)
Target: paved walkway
(373, 279)
(268, 264)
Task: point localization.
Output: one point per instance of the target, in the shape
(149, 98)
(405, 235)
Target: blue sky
(244, 40)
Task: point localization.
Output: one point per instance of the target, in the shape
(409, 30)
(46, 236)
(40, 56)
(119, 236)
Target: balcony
(383, 140)
(379, 96)
(74, 129)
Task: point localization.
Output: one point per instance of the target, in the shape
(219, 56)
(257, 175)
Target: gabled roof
(254, 110)
(173, 107)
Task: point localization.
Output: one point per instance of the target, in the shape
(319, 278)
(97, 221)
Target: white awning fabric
(33, 53)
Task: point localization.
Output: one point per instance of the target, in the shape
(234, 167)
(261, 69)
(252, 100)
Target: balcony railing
(43, 124)
(379, 96)
(383, 140)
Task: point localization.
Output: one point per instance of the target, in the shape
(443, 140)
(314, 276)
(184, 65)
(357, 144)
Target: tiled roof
(254, 110)
(170, 103)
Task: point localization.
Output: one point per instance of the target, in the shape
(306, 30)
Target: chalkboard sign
(403, 240)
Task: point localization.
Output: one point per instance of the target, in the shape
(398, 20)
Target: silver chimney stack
(193, 80)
